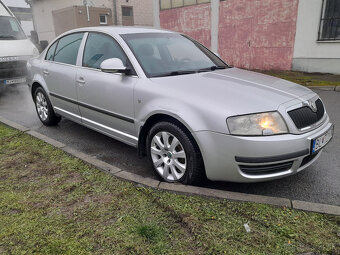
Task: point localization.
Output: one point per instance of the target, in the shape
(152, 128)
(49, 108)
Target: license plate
(321, 141)
(15, 81)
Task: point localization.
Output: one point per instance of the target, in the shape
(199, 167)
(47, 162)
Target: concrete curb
(178, 188)
(315, 207)
(13, 125)
(46, 139)
(127, 176)
(92, 161)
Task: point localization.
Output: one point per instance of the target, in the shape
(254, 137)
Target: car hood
(14, 48)
(235, 90)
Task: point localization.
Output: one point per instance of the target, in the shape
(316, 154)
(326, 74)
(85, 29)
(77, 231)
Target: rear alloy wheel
(174, 155)
(44, 108)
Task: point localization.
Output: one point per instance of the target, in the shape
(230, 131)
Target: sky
(15, 3)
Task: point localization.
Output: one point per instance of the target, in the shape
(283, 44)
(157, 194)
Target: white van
(15, 49)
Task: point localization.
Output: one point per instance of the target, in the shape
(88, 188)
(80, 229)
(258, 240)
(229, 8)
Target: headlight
(268, 123)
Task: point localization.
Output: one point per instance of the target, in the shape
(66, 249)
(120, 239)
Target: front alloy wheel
(174, 154)
(168, 156)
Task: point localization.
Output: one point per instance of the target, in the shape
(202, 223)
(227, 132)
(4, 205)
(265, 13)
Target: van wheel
(44, 108)
(173, 154)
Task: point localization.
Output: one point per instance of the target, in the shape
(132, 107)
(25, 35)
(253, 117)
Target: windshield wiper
(212, 68)
(174, 73)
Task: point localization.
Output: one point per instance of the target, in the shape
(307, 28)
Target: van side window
(67, 49)
(51, 51)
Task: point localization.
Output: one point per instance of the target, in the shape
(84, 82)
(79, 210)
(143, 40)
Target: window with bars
(169, 4)
(330, 21)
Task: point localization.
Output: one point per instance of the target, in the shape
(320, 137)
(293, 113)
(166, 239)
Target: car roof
(120, 30)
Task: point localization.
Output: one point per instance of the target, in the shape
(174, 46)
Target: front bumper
(232, 158)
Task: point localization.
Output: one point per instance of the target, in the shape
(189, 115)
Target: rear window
(67, 49)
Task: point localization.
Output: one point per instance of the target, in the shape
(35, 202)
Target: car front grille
(266, 169)
(13, 69)
(304, 116)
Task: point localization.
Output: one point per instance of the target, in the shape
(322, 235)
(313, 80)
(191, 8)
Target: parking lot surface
(318, 183)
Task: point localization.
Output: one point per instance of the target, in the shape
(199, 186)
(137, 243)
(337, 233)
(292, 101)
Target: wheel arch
(158, 117)
(35, 85)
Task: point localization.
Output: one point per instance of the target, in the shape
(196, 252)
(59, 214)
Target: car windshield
(167, 54)
(10, 29)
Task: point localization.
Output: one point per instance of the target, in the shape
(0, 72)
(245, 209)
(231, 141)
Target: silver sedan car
(179, 104)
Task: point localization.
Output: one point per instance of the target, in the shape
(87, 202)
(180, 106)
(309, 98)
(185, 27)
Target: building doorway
(127, 16)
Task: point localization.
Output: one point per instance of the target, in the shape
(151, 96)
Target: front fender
(37, 78)
(180, 111)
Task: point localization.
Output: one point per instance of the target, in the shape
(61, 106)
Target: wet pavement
(318, 183)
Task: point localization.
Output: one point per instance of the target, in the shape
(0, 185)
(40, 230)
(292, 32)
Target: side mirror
(113, 65)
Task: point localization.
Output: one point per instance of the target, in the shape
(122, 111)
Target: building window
(103, 19)
(169, 4)
(330, 21)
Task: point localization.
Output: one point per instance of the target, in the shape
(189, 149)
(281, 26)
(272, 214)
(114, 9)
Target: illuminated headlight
(269, 123)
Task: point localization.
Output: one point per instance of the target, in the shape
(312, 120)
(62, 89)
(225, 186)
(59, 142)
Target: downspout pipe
(88, 12)
(115, 12)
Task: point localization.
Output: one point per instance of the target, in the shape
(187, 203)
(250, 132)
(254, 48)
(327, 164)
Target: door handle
(46, 72)
(81, 80)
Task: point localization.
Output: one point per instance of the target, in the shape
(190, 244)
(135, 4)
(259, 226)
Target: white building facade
(317, 40)
(132, 12)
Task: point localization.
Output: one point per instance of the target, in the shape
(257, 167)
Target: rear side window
(50, 52)
(67, 49)
(100, 47)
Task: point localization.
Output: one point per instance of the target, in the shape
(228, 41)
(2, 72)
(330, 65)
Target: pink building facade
(251, 34)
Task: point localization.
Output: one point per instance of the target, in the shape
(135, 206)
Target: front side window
(10, 29)
(67, 49)
(164, 54)
(100, 47)
(330, 21)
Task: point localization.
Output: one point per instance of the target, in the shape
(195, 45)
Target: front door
(106, 99)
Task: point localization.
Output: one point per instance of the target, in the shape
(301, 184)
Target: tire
(44, 108)
(180, 159)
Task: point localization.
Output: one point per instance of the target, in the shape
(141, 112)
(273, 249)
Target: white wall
(43, 18)
(142, 11)
(309, 54)
(42, 13)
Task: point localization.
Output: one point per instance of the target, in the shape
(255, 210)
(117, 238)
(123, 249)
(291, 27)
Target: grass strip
(52, 203)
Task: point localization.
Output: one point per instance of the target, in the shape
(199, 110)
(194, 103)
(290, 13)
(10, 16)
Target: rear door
(60, 75)
(106, 99)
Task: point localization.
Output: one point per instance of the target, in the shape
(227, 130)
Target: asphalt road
(319, 183)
